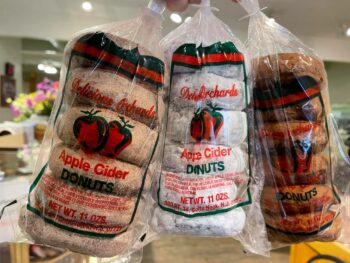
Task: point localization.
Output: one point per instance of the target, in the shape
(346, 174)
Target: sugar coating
(199, 100)
(224, 224)
(91, 238)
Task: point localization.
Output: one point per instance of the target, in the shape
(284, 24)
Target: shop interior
(33, 38)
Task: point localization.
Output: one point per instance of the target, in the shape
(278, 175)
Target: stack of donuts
(205, 150)
(106, 133)
(291, 104)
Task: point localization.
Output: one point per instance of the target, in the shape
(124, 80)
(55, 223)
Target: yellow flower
(39, 107)
(8, 100)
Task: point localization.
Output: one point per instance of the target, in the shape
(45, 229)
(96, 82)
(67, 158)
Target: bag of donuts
(93, 175)
(207, 185)
(296, 149)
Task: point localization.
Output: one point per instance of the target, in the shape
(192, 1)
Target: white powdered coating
(232, 133)
(198, 192)
(230, 223)
(227, 71)
(185, 85)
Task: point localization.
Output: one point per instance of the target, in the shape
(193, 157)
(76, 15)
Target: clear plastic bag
(207, 186)
(296, 150)
(93, 176)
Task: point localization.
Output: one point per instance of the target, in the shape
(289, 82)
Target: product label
(206, 162)
(89, 211)
(102, 175)
(86, 186)
(203, 93)
(95, 134)
(295, 196)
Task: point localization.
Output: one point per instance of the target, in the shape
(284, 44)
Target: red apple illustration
(119, 138)
(91, 131)
(206, 123)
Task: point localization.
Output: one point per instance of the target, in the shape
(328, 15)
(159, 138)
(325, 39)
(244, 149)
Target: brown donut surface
(296, 134)
(296, 199)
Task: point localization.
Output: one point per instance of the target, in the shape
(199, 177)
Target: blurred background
(33, 35)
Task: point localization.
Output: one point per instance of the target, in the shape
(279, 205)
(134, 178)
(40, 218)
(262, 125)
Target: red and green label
(95, 134)
(208, 177)
(206, 123)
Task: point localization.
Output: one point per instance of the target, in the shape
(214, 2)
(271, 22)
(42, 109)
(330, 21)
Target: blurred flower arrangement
(39, 102)
(28, 154)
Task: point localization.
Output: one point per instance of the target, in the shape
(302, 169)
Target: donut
(288, 65)
(296, 199)
(309, 111)
(227, 224)
(300, 224)
(283, 170)
(324, 227)
(291, 104)
(287, 79)
(47, 234)
(301, 136)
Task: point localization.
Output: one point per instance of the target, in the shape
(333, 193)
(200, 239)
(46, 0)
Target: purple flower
(15, 112)
(45, 85)
(40, 96)
(40, 86)
(29, 103)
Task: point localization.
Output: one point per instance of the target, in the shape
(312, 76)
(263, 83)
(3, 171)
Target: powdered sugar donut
(227, 71)
(228, 224)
